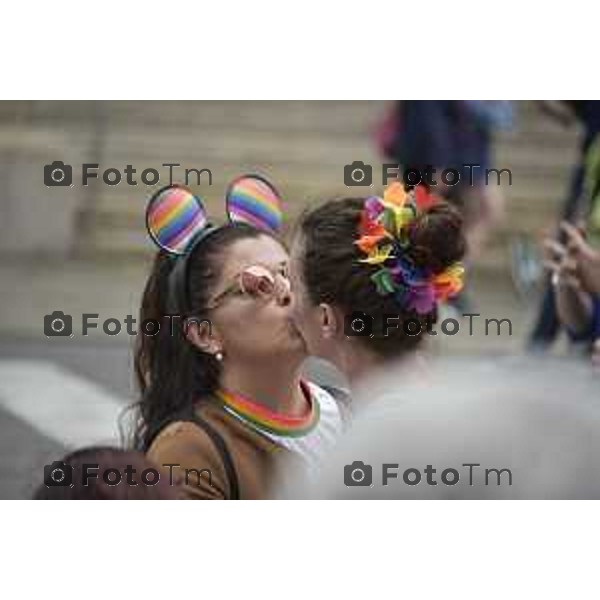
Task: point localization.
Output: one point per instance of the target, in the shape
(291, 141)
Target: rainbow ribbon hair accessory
(384, 239)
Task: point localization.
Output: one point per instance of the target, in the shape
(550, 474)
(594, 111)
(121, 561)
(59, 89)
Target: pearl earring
(219, 356)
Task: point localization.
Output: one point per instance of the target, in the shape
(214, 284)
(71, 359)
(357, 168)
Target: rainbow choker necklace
(269, 420)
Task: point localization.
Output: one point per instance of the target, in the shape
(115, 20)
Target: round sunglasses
(256, 282)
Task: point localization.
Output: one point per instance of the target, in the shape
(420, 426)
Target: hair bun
(436, 237)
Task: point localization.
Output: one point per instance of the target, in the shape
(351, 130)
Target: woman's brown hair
(333, 274)
(171, 373)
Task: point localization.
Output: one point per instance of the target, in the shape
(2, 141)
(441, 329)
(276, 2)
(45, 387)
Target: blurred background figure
(109, 473)
(529, 429)
(581, 200)
(575, 278)
(450, 134)
(596, 354)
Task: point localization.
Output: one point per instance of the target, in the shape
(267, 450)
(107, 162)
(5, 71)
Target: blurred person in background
(521, 428)
(575, 269)
(106, 473)
(228, 397)
(596, 354)
(450, 134)
(582, 200)
(357, 260)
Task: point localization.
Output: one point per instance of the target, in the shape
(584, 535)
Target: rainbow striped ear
(174, 217)
(253, 200)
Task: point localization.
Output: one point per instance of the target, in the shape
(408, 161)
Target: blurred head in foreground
(391, 259)
(104, 473)
(508, 428)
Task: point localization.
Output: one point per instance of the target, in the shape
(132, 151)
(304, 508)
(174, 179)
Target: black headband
(178, 299)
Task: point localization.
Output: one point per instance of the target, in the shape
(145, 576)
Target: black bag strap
(189, 415)
(219, 443)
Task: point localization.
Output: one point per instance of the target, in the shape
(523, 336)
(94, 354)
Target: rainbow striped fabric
(253, 200)
(173, 217)
(268, 420)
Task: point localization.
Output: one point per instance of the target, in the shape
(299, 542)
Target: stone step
(174, 114)
(229, 152)
(539, 193)
(324, 117)
(517, 221)
(252, 115)
(223, 150)
(110, 232)
(135, 136)
(130, 244)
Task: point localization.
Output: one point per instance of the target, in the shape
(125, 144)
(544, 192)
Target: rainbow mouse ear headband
(177, 222)
(384, 239)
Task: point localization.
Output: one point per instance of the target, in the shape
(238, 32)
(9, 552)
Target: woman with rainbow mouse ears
(378, 264)
(222, 396)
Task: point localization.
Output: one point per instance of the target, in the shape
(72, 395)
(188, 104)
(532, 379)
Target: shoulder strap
(221, 446)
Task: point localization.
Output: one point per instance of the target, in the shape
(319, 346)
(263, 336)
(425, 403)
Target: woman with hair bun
(368, 274)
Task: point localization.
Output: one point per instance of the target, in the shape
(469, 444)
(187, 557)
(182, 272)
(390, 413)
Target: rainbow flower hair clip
(384, 238)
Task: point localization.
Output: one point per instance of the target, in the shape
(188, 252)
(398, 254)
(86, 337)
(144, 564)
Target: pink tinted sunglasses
(257, 282)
